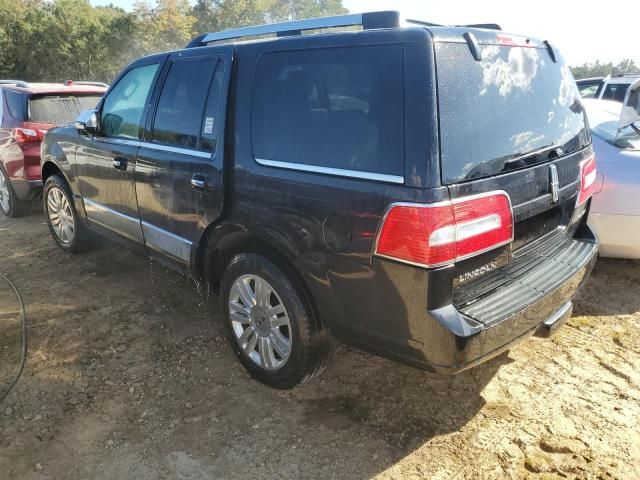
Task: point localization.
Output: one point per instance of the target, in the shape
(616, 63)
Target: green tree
(167, 26)
(598, 69)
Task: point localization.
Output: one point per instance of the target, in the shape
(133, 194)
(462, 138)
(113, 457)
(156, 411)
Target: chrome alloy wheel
(60, 215)
(260, 322)
(5, 194)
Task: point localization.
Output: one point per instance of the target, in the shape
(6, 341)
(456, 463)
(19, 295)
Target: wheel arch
(221, 243)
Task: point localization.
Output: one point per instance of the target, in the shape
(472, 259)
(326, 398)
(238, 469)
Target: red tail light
(26, 135)
(442, 233)
(588, 174)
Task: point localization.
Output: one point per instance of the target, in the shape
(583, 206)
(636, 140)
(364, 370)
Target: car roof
(53, 88)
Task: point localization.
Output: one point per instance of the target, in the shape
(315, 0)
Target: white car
(615, 208)
(611, 87)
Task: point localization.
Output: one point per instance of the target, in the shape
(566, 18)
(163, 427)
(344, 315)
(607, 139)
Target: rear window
(333, 108)
(60, 109)
(513, 102)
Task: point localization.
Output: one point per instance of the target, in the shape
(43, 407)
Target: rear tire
(64, 224)
(10, 204)
(271, 327)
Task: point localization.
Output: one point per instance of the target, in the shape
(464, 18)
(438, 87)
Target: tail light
(432, 235)
(588, 174)
(26, 135)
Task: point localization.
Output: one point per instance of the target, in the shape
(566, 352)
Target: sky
(581, 32)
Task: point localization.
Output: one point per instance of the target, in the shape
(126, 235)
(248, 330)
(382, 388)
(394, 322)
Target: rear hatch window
(496, 113)
(60, 109)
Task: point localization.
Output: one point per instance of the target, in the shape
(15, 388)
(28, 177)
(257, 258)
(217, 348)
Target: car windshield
(512, 103)
(60, 109)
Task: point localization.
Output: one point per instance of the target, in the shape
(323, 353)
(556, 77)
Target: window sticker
(208, 126)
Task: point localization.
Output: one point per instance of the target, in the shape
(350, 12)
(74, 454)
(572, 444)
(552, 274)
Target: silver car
(615, 208)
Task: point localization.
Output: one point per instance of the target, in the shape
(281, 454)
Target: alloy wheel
(60, 215)
(260, 322)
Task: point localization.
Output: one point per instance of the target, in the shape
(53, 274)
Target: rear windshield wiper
(552, 151)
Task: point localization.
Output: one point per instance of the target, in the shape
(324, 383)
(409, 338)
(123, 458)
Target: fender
(56, 157)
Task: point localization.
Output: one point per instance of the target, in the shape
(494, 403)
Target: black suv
(419, 191)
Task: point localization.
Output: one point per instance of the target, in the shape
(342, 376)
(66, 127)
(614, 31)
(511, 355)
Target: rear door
(180, 163)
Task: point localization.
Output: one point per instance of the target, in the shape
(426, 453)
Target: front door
(106, 162)
(179, 165)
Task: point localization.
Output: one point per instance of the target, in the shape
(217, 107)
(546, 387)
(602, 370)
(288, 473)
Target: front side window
(179, 115)
(124, 106)
(339, 108)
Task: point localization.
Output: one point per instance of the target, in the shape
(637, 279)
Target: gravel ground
(129, 377)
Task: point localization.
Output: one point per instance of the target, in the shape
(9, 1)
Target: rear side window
(16, 104)
(336, 108)
(615, 91)
(60, 109)
(182, 102)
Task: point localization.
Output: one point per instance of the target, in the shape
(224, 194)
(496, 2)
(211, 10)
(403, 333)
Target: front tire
(272, 329)
(10, 204)
(63, 221)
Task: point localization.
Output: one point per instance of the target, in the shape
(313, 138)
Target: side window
(16, 103)
(615, 91)
(210, 130)
(181, 105)
(338, 108)
(124, 106)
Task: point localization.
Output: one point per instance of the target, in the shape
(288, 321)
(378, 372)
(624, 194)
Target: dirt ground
(129, 377)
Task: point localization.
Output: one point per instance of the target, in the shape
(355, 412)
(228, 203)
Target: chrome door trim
(178, 150)
(113, 220)
(154, 146)
(338, 172)
(166, 242)
(117, 141)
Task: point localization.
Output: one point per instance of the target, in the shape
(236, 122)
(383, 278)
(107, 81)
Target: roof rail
(17, 83)
(628, 74)
(368, 20)
(385, 19)
(93, 84)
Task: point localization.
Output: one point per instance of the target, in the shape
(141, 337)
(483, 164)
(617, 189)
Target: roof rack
(368, 20)
(17, 83)
(387, 19)
(628, 74)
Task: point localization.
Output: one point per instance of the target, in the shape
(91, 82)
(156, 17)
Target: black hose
(23, 356)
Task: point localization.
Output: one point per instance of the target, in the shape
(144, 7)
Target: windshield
(60, 109)
(496, 111)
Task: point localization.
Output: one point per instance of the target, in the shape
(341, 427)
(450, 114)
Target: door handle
(120, 163)
(198, 182)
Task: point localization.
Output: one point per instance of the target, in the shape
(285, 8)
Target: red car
(27, 111)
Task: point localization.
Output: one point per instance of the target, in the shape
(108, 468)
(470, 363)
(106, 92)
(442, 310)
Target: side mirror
(87, 121)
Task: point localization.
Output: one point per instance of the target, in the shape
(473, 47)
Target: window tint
(588, 89)
(615, 91)
(16, 103)
(511, 103)
(124, 105)
(181, 104)
(338, 108)
(60, 109)
(210, 130)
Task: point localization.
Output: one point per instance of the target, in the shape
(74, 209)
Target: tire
(60, 212)
(10, 204)
(280, 313)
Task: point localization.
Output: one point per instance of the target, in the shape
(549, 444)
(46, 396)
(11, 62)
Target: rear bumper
(27, 189)
(536, 299)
